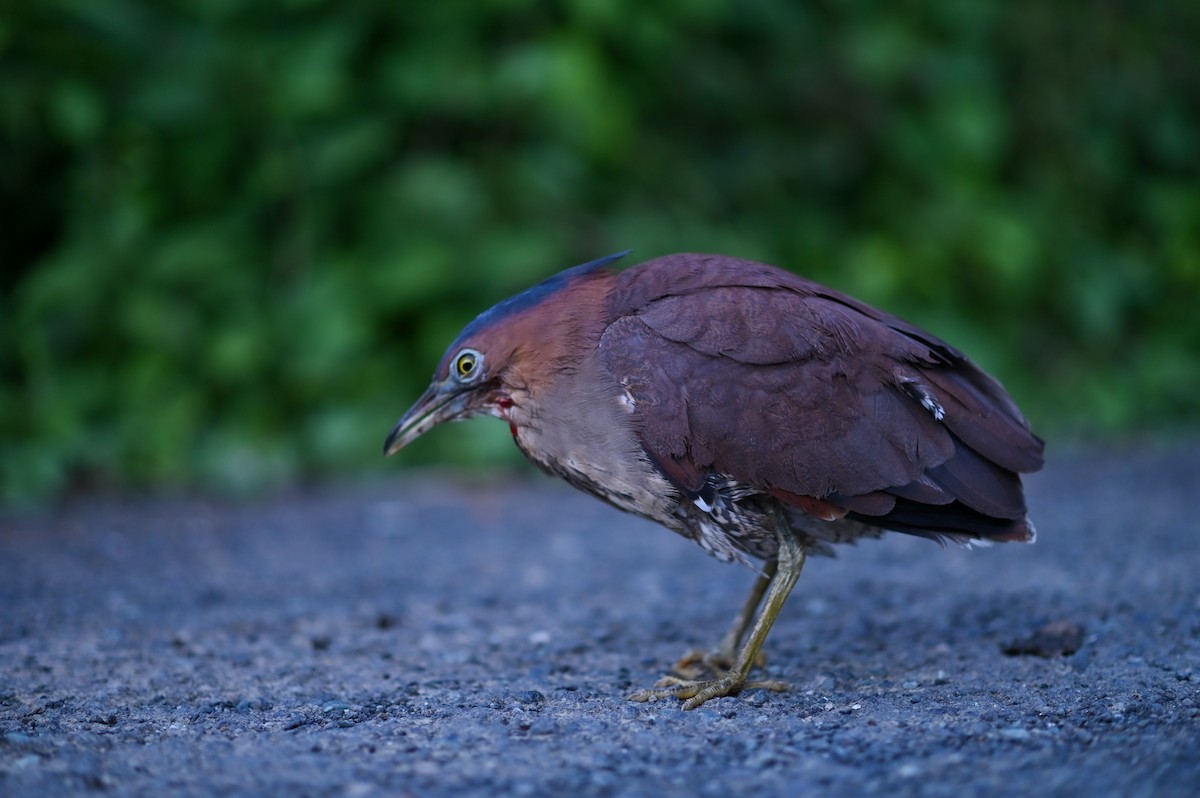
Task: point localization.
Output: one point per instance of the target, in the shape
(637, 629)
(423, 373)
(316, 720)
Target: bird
(760, 414)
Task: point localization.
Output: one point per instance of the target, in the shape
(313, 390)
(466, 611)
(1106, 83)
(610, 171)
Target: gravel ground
(437, 636)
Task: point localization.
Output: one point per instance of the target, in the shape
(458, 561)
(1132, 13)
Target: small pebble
(1056, 639)
(529, 697)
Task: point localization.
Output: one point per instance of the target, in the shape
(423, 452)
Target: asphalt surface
(436, 636)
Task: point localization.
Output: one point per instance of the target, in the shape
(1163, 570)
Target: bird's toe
(696, 664)
(694, 692)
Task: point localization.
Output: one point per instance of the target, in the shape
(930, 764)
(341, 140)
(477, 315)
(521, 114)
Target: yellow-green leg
(721, 659)
(789, 563)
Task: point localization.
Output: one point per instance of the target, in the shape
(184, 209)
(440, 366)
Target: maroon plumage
(753, 411)
(796, 390)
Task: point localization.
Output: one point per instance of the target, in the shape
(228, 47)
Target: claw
(694, 692)
(729, 670)
(697, 663)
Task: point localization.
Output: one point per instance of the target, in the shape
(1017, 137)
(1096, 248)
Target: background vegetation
(238, 235)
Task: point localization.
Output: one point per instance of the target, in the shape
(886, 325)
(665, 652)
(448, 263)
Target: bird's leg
(790, 561)
(721, 659)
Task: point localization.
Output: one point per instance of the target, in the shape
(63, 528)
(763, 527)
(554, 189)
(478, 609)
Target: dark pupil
(466, 364)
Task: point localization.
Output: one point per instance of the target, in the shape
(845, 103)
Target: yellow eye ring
(467, 366)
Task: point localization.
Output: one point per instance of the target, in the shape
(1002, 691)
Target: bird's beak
(440, 402)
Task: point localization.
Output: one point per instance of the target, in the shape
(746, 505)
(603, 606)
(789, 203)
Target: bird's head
(502, 354)
(465, 385)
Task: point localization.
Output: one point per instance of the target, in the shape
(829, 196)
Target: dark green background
(237, 235)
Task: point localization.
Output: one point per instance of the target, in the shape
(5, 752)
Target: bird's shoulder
(760, 374)
(757, 313)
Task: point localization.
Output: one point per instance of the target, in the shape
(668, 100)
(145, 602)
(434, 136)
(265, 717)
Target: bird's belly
(620, 475)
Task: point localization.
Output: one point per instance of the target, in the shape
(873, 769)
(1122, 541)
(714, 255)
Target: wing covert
(795, 390)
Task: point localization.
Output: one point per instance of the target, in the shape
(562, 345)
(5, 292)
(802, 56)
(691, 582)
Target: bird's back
(748, 379)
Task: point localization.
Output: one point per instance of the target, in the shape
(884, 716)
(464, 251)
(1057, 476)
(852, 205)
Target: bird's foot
(694, 692)
(696, 664)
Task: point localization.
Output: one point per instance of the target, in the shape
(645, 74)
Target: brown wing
(745, 370)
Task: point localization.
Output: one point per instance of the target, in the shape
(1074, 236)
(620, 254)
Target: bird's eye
(467, 365)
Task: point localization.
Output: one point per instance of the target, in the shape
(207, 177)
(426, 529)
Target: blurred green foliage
(237, 236)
